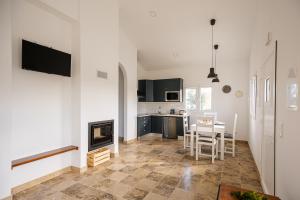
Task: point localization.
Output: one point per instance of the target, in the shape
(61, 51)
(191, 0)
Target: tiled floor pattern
(152, 169)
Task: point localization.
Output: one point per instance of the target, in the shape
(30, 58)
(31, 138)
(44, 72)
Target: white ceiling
(180, 34)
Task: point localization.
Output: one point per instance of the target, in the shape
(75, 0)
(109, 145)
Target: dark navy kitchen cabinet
(145, 90)
(179, 126)
(159, 90)
(143, 125)
(162, 85)
(174, 84)
(155, 90)
(157, 124)
(169, 126)
(140, 126)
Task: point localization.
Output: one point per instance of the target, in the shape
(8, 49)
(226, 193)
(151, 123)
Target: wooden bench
(43, 155)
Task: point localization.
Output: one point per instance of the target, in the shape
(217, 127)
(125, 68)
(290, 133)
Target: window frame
(267, 90)
(211, 95)
(198, 100)
(196, 104)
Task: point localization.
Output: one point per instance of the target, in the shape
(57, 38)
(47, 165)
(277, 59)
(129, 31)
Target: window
(267, 90)
(253, 96)
(191, 98)
(292, 96)
(201, 97)
(205, 99)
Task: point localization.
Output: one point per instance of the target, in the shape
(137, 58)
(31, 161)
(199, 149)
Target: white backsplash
(163, 107)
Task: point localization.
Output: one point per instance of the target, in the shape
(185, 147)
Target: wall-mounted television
(39, 58)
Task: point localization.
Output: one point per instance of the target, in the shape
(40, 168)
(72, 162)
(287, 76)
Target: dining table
(219, 128)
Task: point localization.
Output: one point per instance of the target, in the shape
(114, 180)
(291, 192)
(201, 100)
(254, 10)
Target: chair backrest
(205, 126)
(185, 124)
(234, 125)
(211, 114)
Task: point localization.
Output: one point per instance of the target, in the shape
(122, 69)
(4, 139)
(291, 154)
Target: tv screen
(44, 59)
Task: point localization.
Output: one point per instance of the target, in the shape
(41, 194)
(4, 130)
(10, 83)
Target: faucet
(159, 110)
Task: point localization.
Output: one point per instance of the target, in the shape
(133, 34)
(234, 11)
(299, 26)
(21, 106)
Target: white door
(268, 137)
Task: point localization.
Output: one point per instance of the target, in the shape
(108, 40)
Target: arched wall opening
(122, 104)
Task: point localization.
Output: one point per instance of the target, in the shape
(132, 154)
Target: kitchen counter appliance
(172, 96)
(182, 112)
(170, 128)
(172, 111)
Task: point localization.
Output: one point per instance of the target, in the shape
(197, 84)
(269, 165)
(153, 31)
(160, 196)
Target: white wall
(41, 114)
(233, 74)
(280, 18)
(50, 111)
(99, 28)
(76, 93)
(69, 8)
(128, 60)
(5, 97)
(121, 104)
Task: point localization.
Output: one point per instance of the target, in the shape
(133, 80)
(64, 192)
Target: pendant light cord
(216, 60)
(212, 46)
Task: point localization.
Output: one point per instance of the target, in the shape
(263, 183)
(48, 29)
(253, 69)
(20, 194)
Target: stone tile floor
(152, 169)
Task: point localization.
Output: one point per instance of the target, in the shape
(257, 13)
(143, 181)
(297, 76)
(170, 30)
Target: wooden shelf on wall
(43, 155)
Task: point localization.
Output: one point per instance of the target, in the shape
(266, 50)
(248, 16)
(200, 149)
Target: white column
(5, 97)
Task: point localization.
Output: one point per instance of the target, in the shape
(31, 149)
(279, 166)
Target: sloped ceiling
(177, 33)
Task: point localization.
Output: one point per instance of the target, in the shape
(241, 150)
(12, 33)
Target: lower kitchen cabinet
(160, 124)
(157, 124)
(143, 125)
(179, 126)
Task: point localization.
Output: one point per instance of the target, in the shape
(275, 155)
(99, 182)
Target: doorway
(121, 104)
(269, 122)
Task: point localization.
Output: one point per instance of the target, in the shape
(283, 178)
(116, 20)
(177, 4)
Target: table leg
(192, 143)
(222, 145)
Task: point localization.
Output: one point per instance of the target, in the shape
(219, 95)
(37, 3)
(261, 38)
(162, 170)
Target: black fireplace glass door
(100, 134)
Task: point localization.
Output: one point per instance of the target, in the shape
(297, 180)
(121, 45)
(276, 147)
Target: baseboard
(114, 155)
(79, 170)
(258, 171)
(131, 141)
(47, 177)
(241, 141)
(7, 198)
(121, 139)
(264, 186)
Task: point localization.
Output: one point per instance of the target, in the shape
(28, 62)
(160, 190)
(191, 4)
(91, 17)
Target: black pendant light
(216, 78)
(212, 70)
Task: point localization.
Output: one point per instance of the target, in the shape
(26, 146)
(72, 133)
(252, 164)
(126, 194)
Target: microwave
(173, 96)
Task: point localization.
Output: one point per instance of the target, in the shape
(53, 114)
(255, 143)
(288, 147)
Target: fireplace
(101, 134)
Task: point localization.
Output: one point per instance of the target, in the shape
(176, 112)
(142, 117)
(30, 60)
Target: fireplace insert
(100, 134)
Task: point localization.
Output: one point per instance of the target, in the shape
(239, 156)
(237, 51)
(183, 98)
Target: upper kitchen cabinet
(145, 90)
(162, 90)
(158, 90)
(175, 84)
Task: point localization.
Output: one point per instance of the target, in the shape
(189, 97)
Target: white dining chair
(230, 137)
(186, 133)
(206, 136)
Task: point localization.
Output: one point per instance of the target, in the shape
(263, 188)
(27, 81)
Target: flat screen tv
(44, 59)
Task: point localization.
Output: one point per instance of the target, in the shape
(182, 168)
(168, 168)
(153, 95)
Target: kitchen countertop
(161, 115)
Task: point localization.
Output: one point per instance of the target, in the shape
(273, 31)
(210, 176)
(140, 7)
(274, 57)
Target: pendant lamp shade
(211, 73)
(216, 79)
